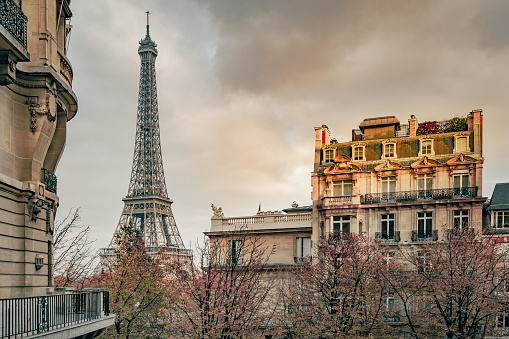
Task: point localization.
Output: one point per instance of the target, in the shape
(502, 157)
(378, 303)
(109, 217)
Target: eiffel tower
(147, 206)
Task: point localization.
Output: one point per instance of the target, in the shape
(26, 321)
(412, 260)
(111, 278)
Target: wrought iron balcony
(23, 317)
(14, 20)
(425, 236)
(387, 238)
(50, 180)
(492, 230)
(421, 195)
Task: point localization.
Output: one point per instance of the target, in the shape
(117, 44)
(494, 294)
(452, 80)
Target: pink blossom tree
(226, 293)
(337, 293)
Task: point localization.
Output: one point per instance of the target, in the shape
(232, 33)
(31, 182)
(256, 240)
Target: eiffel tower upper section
(147, 206)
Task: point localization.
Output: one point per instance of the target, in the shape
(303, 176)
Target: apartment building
(36, 102)
(402, 183)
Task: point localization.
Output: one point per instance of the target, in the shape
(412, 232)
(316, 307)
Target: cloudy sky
(242, 83)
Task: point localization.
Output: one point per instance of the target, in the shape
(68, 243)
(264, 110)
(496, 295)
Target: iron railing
(433, 236)
(421, 195)
(50, 180)
(387, 238)
(22, 317)
(14, 20)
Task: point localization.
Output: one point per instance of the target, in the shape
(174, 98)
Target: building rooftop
(500, 197)
(379, 121)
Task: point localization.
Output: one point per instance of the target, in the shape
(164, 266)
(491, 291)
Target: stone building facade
(36, 101)
(284, 235)
(404, 184)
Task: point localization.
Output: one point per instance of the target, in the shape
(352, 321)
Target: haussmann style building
(402, 183)
(36, 102)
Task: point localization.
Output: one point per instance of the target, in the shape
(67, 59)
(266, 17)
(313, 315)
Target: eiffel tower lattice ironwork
(147, 206)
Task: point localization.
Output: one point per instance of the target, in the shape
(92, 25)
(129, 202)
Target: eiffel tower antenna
(147, 206)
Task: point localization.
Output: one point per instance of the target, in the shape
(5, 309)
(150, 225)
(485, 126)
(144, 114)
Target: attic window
(389, 150)
(329, 155)
(461, 144)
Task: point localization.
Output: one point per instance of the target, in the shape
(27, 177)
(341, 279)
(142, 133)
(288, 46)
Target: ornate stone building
(36, 102)
(404, 184)
(285, 235)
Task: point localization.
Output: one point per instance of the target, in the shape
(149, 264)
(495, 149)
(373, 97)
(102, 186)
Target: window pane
(457, 181)
(347, 188)
(392, 185)
(429, 182)
(429, 227)
(464, 180)
(420, 228)
(306, 247)
(336, 189)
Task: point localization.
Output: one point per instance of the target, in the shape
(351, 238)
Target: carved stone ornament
(461, 160)
(218, 212)
(342, 164)
(425, 162)
(35, 108)
(388, 165)
(34, 208)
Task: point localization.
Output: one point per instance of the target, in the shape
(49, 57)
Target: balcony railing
(425, 237)
(22, 317)
(14, 20)
(489, 230)
(421, 195)
(50, 180)
(342, 200)
(387, 238)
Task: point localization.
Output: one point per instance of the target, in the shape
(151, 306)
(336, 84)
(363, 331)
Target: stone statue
(218, 212)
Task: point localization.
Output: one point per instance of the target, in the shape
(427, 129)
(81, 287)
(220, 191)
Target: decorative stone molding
(34, 208)
(425, 162)
(37, 109)
(342, 164)
(388, 165)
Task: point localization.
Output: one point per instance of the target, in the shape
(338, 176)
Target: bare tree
(226, 293)
(74, 255)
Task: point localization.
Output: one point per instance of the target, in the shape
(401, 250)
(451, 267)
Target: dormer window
(461, 144)
(358, 153)
(426, 147)
(389, 150)
(328, 155)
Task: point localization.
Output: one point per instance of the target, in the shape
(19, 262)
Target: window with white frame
(425, 181)
(427, 147)
(460, 180)
(389, 150)
(460, 219)
(358, 153)
(329, 155)
(424, 225)
(303, 249)
(235, 252)
(387, 226)
(341, 224)
(342, 188)
(503, 320)
(389, 185)
(502, 219)
(461, 144)
(389, 257)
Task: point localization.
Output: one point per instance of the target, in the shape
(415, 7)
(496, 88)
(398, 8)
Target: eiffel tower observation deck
(147, 206)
